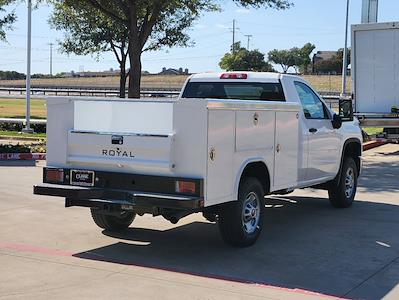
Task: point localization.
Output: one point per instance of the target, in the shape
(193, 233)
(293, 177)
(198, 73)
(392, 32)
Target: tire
(343, 194)
(112, 222)
(241, 221)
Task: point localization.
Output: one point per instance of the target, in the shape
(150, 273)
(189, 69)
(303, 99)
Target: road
(308, 249)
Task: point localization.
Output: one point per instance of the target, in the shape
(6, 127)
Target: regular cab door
(323, 139)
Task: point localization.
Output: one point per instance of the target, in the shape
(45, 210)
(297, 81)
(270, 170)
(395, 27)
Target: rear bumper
(115, 198)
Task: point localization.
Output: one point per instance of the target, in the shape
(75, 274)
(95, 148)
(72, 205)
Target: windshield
(235, 90)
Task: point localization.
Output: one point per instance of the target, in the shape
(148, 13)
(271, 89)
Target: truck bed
(209, 140)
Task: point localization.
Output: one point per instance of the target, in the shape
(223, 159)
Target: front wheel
(115, 221)
(241, 222)
(343, 194)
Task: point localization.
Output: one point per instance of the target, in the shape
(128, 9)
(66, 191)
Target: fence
(84, 92)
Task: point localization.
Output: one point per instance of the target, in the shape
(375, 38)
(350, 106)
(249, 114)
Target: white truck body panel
(237, 141)
(375, 67)
(80, 143)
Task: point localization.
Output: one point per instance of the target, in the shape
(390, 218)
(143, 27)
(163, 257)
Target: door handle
(313, 130)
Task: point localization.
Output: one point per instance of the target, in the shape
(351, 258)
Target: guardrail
(332, 102)
(84, 92)
(96, 91)
(144, 87)
(22, 121)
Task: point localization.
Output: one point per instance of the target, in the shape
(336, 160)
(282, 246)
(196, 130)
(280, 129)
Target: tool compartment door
(221, 145)
(286, 150)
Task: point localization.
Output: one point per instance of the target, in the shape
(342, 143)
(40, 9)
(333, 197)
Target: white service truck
(228, 140)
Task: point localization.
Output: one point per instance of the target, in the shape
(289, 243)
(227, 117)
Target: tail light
(54, 175)
(234, 76)
(185, 187)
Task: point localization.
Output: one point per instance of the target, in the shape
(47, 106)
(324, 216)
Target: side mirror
(336, 121)
(346, 110)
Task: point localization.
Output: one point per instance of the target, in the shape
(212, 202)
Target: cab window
(312, 106)
(235, 91)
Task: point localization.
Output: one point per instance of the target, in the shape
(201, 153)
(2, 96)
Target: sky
(321, 22)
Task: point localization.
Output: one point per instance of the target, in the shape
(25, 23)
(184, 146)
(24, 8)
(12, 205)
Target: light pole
(51, 59)
(27, 129)
(345, 54)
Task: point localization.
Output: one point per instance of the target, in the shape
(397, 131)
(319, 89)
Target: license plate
(82, 178)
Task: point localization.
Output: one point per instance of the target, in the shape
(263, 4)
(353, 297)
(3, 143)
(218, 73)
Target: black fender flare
(349, 141)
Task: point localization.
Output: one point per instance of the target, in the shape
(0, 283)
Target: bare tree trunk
(134, 74)
(122, 82)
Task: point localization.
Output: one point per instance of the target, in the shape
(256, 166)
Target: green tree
(329, 66)
(6, 18)
(299, 58)
(303, 60)
(86, 33)
(156, 23)
(11, 75)
(285, 58)
(244, 60)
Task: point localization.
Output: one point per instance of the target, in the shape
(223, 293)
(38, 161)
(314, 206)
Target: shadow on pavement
(305, 244)
(381, 176)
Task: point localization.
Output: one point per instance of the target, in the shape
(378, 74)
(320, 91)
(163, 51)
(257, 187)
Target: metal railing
(331, 101)
(84, 92)
(22, 121)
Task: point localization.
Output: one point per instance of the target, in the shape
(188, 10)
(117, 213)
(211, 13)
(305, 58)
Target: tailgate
(137, 136)
(138, 152)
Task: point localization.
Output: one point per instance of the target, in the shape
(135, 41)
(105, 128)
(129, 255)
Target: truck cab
(228, 140)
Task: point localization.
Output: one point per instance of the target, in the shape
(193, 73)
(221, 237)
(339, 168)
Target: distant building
(109, 73)
(171, 71)
(321, 56)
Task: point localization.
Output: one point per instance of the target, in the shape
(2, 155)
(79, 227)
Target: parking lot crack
(386, 266)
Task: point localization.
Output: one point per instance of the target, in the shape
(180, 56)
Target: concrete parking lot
(307, 250)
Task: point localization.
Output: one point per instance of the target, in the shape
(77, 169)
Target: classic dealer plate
(82, 178)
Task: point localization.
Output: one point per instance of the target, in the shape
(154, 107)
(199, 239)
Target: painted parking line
(87, 255)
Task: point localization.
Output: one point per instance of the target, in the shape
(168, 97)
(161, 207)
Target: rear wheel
(343, 194)
(241, 222)
(116, 221)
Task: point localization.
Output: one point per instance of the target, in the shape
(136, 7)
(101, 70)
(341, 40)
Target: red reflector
(55, 175)
(234, 76)
(185, 187)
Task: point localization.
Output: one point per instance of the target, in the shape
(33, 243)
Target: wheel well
(353, 149)
(259, 171)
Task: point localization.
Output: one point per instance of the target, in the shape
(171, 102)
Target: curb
(373, 144)
(22, 156)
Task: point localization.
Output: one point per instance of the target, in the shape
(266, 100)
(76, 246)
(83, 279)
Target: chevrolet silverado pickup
(225, 143)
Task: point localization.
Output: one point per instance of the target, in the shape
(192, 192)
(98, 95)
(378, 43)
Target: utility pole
(345, 58)
(27, 129)
(234, 36)
(234, 29)
(248, 37)
(51, 59)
